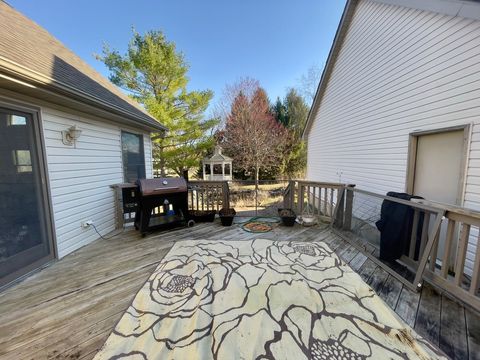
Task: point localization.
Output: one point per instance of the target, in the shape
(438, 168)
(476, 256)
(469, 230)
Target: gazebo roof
(217, 156)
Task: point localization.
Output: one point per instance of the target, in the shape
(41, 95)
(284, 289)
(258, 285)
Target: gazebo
(218, 166)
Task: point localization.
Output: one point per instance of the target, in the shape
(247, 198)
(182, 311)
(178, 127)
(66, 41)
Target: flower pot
(202, 216)
(226, 216)
(288, 216)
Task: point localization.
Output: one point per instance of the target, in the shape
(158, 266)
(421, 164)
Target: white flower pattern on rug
(258, 299)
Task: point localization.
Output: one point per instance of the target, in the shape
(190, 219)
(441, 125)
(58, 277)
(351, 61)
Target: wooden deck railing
(208, 195)
(331, 202)
(457, 229)
(438, 242)
(433, 226)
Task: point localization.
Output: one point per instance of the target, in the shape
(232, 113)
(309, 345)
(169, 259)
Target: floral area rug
(258, 299)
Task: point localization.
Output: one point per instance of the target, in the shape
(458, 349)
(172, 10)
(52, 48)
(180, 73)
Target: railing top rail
(260, 181)
(323, 184)
(450, 208)
(413, 204)
(207, 182)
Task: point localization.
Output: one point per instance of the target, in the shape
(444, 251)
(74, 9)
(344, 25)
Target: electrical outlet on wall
(87, 224)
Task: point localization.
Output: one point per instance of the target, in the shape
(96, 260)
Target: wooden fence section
(331, 202)
(208, 195)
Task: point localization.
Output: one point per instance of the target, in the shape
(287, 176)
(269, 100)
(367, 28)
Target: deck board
(453, 331)
(357, 262)
(428, 316)
(68, 309)
(390, 292)
(377, 279)
(367, 269)
(473, 334)
(407, 305)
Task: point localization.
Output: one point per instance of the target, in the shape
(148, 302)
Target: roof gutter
(38, 79)
(347, 15)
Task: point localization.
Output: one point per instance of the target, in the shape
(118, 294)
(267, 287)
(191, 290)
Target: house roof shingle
(33, 51)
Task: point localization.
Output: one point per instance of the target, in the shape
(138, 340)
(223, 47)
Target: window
(133, 157)
(217, 169)
(207, 169)
(227, 169)
(22, 160)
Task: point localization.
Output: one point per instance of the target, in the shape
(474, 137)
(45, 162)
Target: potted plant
(201, 215)
(288, 216)
(226, 216)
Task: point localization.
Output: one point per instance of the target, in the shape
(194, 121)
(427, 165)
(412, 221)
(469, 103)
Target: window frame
(142, 151)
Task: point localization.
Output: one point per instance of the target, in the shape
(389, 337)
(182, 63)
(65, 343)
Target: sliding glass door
(25, 242)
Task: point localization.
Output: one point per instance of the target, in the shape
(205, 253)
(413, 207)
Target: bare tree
(251, 134)
(309, 83)
(222, 108)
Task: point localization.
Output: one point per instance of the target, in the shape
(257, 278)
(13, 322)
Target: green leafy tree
(293, 112)
(155, 74)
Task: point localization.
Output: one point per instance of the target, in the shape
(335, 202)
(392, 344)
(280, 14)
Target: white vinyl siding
(147, 148)
(80, 176)
(399, 70)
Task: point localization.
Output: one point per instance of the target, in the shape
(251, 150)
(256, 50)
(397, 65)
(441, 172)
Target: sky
(273, 41)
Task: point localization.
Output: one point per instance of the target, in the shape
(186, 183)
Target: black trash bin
(395, 226)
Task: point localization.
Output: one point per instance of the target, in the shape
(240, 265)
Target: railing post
(347, 223)
(119, 216)
(292, 195)
(300, 198)
(225, 195)
(339, 208)
(288, 197)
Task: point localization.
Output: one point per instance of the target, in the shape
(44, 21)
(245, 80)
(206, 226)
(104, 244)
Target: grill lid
(159, 186)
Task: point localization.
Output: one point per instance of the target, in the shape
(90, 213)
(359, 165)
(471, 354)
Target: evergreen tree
(296, 112)
(280, 112)
(292, 112)
(155, 74)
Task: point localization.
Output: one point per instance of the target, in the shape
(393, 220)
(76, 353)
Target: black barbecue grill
(162, 202)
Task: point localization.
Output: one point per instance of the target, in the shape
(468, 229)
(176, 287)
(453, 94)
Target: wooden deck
(67, 310)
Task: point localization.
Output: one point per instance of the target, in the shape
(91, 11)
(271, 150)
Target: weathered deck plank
(390, 292)
(473, 334)
(357, 262)
(407, 306)
(68, 309)
(377, 279)
(367, 269)
(428, 316)
(453, 331)
(349, 253)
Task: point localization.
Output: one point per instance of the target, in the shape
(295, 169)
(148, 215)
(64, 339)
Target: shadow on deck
(68, 309)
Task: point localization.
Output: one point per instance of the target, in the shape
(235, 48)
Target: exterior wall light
(71, 135)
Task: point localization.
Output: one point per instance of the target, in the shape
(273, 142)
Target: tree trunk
(256, 189)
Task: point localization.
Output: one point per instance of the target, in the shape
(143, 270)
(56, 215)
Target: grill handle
(166, 188)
